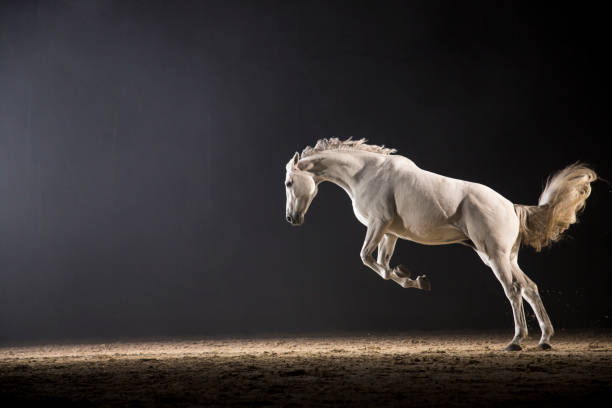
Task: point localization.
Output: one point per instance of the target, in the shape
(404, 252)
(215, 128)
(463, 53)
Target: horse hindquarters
(493, 227)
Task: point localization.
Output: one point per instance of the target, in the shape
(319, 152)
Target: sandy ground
(425, 369)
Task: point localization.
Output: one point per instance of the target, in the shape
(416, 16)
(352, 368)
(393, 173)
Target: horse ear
(291, 164)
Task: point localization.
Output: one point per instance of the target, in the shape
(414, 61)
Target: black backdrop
(143, 145)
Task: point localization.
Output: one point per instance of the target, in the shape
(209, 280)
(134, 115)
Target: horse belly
(438, 232)
(428, 234)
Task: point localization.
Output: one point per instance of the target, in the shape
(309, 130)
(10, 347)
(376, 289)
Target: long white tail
(563, 197)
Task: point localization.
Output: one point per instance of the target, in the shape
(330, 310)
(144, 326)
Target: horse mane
(333, 143)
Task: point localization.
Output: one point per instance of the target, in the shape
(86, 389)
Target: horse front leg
(374, 236)
(400, 274)
(385, 249)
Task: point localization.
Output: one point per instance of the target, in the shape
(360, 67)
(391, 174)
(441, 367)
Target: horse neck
(340, 168)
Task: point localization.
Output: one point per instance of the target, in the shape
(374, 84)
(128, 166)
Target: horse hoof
(423, 282)
(544, 346)
(401, 271)
(513, 347)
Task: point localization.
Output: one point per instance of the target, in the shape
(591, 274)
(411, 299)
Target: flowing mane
(333, 143)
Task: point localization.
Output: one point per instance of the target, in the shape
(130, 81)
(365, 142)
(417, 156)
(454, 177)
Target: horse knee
(531, 290)
(366, 257)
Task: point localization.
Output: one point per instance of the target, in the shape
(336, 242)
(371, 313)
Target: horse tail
(563, 197)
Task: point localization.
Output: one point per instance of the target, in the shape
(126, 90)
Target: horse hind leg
(532, 296)
(501, 265)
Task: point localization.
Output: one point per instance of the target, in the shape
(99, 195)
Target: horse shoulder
(376, 196)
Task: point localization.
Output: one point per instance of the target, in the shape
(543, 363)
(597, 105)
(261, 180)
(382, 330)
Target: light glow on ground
(420, 368)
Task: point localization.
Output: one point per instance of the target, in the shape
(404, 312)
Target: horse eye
(289, 183)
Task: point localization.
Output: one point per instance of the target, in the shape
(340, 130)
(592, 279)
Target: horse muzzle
(295, 219)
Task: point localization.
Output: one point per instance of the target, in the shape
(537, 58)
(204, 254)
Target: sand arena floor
(412, 369)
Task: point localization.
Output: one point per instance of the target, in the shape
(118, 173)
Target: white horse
(395, 199)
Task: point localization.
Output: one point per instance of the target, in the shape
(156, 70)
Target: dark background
(143, 148)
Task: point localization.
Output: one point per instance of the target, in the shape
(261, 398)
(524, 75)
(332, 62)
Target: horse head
(300, 188)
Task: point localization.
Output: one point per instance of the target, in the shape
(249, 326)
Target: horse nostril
(289, 218)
